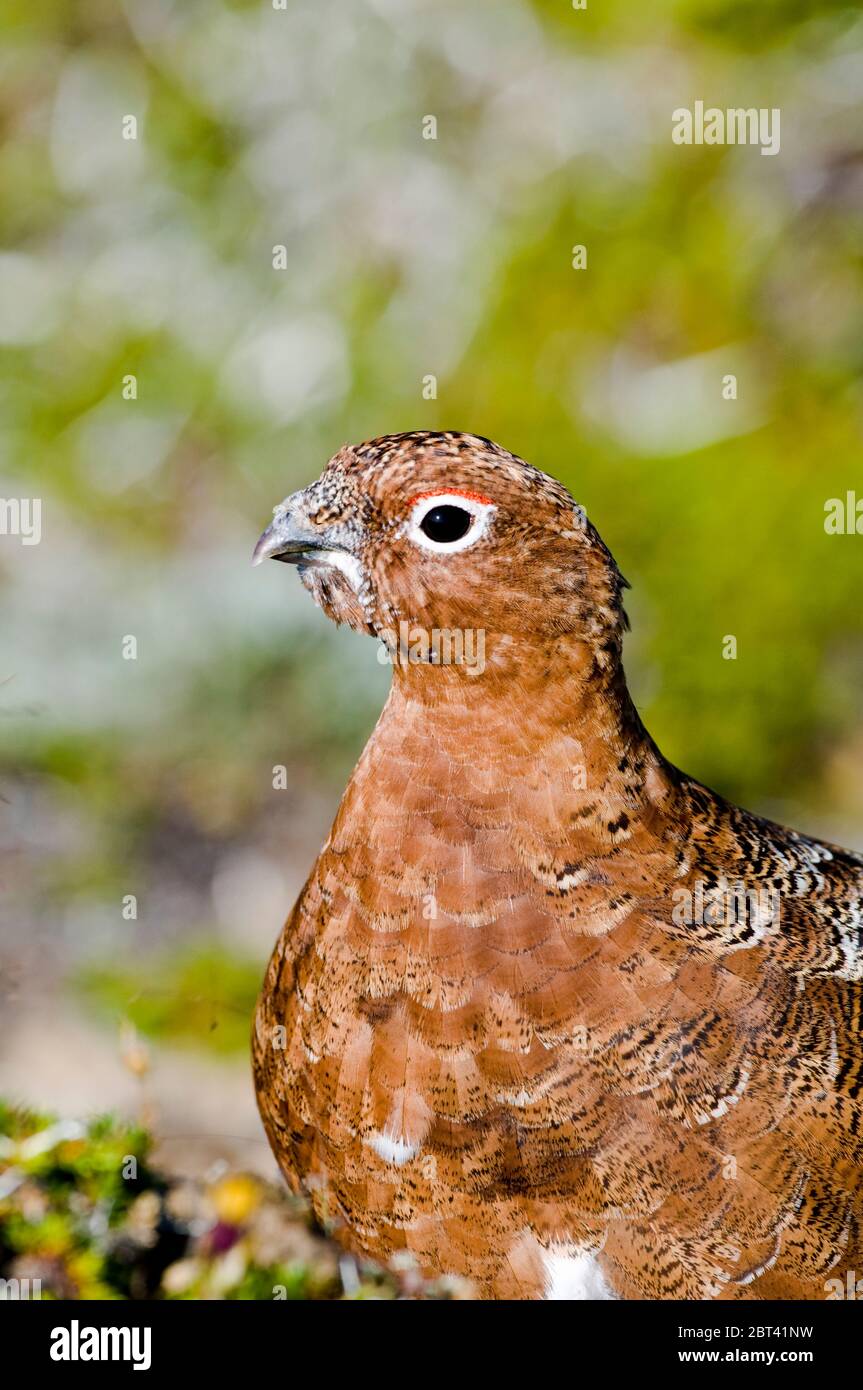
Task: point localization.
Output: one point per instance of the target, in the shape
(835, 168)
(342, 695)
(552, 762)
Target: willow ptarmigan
(549, 1014)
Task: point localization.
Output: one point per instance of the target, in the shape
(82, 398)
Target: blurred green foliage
(406, 257)
(203, 995)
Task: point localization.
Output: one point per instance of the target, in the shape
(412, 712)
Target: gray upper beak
(288, 538)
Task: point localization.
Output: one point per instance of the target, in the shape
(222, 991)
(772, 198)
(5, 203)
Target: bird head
(445, 532)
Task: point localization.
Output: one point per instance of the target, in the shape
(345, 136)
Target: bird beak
(288, 538)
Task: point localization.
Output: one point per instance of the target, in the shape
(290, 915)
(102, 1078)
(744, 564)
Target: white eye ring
(480, 511)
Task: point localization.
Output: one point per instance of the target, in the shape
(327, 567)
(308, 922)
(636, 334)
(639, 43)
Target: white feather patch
(392, 1150)
(349, 566)
(574, 1276)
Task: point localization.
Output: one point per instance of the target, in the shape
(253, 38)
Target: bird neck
(558, 711)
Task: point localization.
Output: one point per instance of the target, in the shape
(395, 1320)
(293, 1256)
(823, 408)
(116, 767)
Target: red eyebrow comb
(451, 492)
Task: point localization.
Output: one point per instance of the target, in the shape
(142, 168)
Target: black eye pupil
(446, 523)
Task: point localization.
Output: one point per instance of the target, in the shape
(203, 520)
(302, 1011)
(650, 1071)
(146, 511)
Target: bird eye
(446, 524)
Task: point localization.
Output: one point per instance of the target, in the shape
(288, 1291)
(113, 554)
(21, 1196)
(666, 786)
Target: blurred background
(282, 260)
